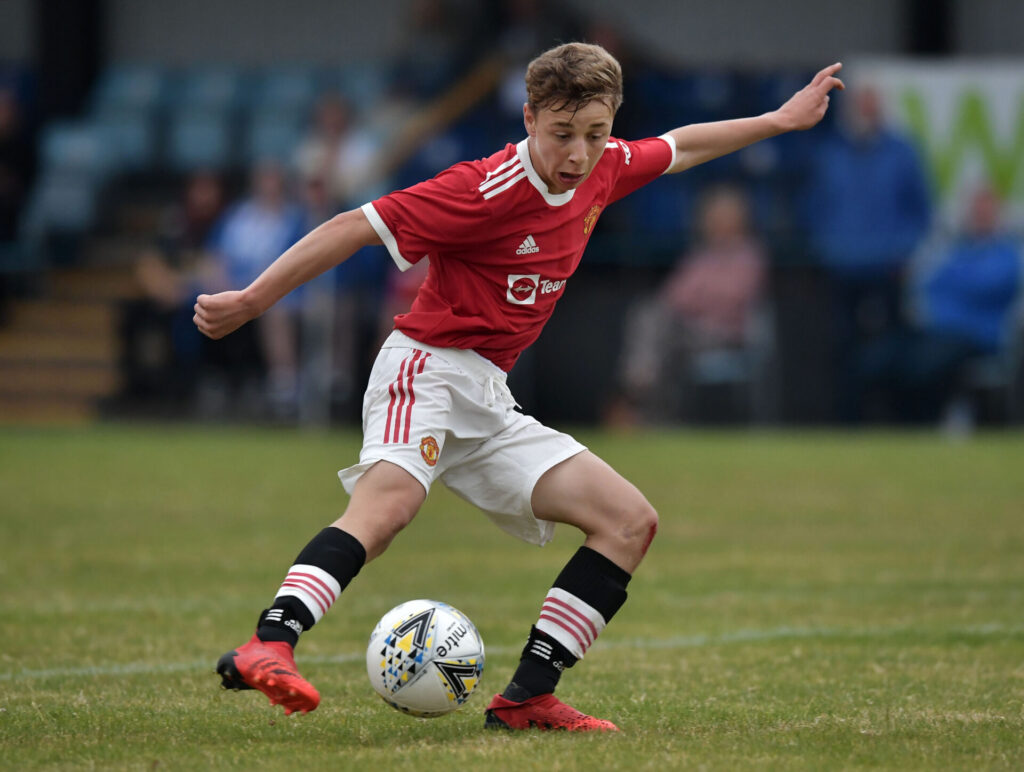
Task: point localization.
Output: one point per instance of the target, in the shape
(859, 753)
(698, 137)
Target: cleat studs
(272, 682)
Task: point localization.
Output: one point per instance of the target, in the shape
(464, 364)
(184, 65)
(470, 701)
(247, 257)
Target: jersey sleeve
(440, 213)
(641, 162)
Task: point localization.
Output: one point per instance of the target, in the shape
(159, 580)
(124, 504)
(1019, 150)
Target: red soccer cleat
(270, 667)
(544, 711)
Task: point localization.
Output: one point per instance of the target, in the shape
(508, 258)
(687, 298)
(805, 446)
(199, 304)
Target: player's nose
(577, 151)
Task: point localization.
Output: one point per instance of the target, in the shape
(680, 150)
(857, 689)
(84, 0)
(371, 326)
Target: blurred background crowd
(869, 271)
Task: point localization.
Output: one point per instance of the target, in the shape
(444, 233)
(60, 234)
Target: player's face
(565, 145)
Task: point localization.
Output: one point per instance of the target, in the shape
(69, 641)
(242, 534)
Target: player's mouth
(570, 180)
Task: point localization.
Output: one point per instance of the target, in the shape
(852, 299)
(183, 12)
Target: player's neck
(533, 162)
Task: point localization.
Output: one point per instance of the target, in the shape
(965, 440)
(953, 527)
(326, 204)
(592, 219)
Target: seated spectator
(249, 238)
(964, 304)
(337, 152)
(16, 165)
(161, 351)
(709, 302)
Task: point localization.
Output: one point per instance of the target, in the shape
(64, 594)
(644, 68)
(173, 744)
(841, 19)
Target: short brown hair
(572, 76)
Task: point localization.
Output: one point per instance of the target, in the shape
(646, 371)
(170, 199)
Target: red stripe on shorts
(412, 394)
(391, 404)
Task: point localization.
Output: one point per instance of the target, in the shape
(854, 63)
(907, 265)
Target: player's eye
(562, 135)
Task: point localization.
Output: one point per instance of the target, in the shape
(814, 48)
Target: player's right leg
(384, 500)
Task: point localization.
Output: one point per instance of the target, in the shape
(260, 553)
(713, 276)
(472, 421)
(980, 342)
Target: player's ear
(529, 119)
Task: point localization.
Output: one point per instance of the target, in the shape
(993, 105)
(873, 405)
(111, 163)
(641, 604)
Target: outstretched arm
(701, 142)
(324, 247)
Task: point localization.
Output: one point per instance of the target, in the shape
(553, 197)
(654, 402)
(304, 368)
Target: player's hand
(808, 105)
(217, 315)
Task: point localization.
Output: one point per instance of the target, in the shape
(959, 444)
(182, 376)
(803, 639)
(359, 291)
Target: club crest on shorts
(429, 450)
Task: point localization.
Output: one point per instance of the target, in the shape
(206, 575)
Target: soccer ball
(425, 658)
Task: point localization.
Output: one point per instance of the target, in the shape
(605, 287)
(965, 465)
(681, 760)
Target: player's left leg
(619, 525)
(384, 501)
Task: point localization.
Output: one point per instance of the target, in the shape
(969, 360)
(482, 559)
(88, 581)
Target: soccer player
(503, 236)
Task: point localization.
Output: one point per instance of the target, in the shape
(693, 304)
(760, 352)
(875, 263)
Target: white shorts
(444, 412)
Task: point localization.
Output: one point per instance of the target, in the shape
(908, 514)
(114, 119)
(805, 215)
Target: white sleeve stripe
(672, 146)
(509, 162)
(490, 183)
(506, 186)
(386, 236)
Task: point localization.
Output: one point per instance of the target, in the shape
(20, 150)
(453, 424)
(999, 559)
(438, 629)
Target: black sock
(590, 584)
(321, 571)
(540, 666)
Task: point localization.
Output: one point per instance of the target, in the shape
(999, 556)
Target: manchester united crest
(590, 219)
(429, 450)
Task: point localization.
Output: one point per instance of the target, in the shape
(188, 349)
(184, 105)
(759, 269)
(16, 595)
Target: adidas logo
(528, 247)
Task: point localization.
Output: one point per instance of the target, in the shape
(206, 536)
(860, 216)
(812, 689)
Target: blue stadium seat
(62, 202)
(130, 87)
(210, 89)
(292, 90)
(199, 140)
(273, 135)
(130, 137)
(363, 84)
(75, 148)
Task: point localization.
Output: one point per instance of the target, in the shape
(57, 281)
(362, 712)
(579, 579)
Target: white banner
(965, 117)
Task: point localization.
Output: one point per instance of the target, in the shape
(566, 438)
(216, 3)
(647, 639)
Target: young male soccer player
(503, 236)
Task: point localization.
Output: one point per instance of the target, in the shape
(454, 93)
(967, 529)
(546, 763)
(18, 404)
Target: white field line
(676, 642)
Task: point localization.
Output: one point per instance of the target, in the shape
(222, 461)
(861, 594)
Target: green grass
(812, 601)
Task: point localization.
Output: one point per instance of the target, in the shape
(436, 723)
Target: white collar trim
(553, 199)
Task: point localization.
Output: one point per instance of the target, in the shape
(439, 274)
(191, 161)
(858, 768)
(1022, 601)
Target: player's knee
(638, 522)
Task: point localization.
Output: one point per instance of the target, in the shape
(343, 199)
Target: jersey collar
(553, 199)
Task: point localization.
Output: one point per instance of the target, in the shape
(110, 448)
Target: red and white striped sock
(571, 621)
(585, 596)
(314, 587)
(321, 571)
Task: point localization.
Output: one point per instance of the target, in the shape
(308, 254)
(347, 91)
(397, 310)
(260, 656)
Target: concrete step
(79, 316)
(31, 411)
(109, 283)
(45, 379)
(52, 346)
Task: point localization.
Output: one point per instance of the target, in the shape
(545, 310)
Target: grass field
(812, 601)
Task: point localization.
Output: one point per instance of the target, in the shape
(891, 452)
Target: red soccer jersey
(501, 247)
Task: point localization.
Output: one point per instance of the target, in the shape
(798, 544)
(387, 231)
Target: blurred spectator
(965, 303)
(437, 42)
(710, 302)
(16, 164)
(250, 237)
(337, 153)
(867, 211)
(161, 350)
(522, 29)
(338, 322)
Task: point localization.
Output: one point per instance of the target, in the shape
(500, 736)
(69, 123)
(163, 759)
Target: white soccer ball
(425, 658)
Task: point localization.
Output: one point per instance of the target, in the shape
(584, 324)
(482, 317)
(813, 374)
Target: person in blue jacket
(965, 302)
(868, 211)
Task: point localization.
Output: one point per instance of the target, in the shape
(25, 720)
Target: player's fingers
(828, 84)
(826, 72)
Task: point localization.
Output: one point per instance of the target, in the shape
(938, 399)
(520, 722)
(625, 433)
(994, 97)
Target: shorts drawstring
(495, 387)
